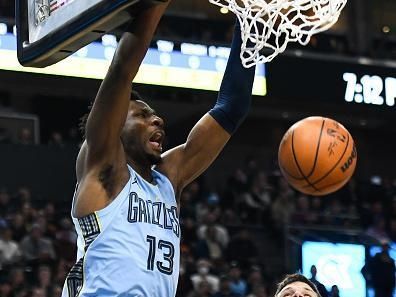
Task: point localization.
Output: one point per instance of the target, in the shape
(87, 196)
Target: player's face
(143, 133)
(297, 289)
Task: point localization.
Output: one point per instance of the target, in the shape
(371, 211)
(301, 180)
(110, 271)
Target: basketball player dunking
(125, 208)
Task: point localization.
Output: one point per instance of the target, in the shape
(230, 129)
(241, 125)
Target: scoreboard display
(338, 80)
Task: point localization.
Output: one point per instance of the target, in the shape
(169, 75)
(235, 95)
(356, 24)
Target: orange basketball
(317, 156)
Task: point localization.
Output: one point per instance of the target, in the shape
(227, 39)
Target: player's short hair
(293, 278)
(135, 95)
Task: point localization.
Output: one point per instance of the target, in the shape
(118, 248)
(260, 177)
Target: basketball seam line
(289, 174)
(286, 171)
(331, 170)
(332, 184)
(314, 164)
(298, 165)
(317, 149)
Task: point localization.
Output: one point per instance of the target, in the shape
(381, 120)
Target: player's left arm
(208, 137)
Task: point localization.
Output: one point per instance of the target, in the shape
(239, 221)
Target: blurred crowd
(37, 246)
(26, 136)
(222, 253)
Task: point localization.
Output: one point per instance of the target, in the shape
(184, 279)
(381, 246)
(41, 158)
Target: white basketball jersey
(131, 247)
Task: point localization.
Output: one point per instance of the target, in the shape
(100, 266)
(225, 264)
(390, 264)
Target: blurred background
(243, 227)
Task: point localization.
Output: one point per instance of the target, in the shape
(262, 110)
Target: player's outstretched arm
(208, 137)
(110, 107)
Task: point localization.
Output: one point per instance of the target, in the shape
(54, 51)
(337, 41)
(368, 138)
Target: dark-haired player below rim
(296, 285)
(126, 205)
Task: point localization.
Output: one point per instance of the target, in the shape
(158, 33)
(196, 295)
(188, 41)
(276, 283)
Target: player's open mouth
(156, 140)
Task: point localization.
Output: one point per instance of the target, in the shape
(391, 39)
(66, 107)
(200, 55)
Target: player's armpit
(186, 162)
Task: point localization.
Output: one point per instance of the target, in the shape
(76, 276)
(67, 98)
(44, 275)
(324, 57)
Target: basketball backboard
(50, 30)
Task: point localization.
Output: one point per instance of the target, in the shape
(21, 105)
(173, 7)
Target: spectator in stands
(381, 272)
(230, 217)
(242, 249)
(259, 291)
(237, 283)
(193, 193)
(41, 220)
(254, 279)
(257, 200)
(225, 288)
(321, 288)
(5, 290)
(24, 195)
(35, 247)
(18, 227)
(189, 230)
(334, 213)
(184, 285)
(52, 220)
(62, 269)
(25, 136)
(251, 166)
(302, 212)
(352, 219)
(217, 232)
(29, 213)
(334, 292)
(45, 279)
(203, 289)
(56, 292)
(17, 279)
(282, 208)
(5, 205)
(38, 292)
(377, 231)
(203, 275)
(209, 246)
(56, 140)
(236, 185)
(9, 249)
(210, 205)
(317, 210)
(66, 239)
(186, 198)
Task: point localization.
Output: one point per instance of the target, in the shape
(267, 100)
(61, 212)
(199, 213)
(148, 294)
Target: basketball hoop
(272, 24)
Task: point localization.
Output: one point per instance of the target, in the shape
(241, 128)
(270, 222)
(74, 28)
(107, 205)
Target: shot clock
(347, 83)
(370, 89)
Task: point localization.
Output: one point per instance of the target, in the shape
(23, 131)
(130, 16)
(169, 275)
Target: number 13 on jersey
(166, 265)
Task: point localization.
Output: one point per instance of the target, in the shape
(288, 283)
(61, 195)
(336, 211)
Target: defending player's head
(143, 132)
(296, 285)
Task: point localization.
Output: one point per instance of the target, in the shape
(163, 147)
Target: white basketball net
(272, 24)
